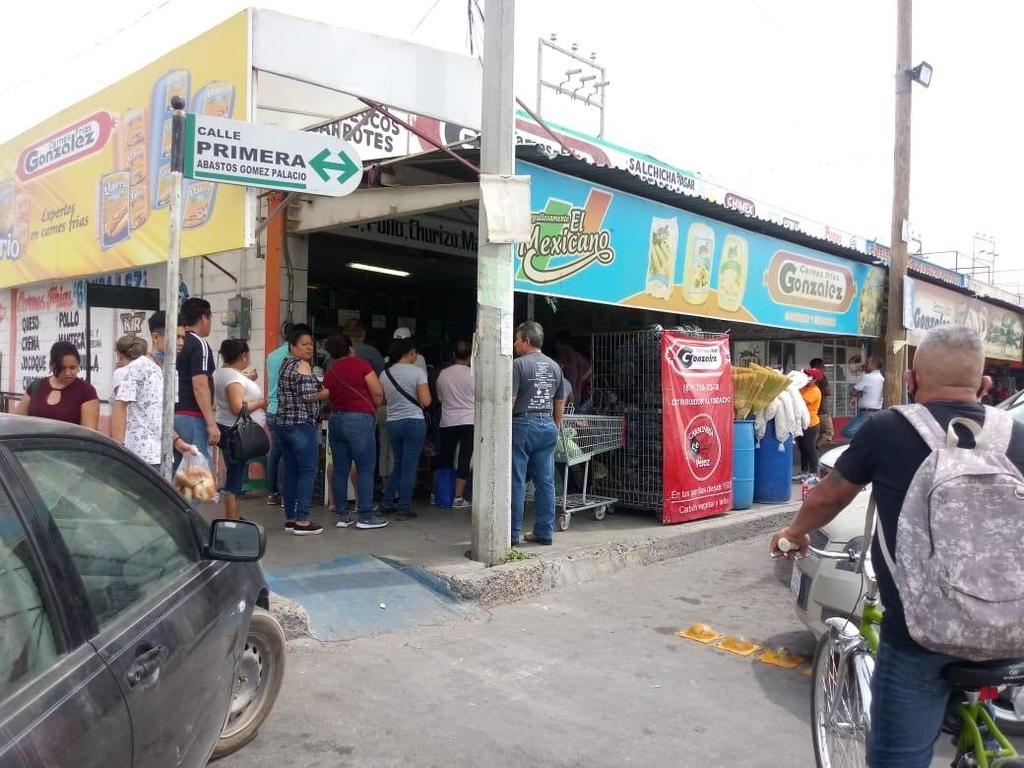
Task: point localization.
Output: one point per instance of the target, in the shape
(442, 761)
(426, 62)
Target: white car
(824, 589)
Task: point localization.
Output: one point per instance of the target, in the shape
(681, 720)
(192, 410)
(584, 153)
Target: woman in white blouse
(233, 391)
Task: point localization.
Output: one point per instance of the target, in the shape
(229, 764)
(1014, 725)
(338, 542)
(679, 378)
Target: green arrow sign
(253, 155)
(322, 165)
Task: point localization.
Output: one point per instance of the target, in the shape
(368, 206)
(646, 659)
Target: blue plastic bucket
(773, 469)
(444, 488)
(742, 464)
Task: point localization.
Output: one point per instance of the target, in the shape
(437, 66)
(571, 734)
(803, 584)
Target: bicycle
(844, 662)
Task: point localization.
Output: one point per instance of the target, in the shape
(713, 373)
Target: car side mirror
(236, 541)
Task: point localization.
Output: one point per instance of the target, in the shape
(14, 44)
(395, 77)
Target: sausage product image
(114, 208)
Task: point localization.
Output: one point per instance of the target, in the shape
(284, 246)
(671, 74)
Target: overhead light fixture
(379, 270)
(922, 74)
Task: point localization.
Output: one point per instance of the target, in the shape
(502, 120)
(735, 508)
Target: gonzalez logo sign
(65, 146)
(800, 281)
(688, 358)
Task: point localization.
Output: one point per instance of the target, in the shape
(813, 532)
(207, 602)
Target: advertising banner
(87, 191)
(34, 318)
(697, 416)
(926, 306)
(594, 243)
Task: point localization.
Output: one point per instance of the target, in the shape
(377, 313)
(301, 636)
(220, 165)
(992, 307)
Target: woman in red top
(355, 394)
(62, 396)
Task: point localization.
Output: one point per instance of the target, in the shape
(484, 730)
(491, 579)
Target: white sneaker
(461, 504)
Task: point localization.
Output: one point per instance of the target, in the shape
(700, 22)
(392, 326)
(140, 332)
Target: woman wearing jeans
(407, 394)
(233, 391)
(298, 408)
(354, 394)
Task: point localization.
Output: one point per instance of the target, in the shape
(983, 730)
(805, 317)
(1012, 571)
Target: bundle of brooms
(754, 388)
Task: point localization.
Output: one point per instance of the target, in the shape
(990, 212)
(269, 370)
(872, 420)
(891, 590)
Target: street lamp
(922, 74)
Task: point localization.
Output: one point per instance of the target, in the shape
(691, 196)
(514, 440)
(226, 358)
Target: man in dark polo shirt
(539, 392)
(193, 413)
(909, 695)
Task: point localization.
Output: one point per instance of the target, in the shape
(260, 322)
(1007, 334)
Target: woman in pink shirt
(456, 389)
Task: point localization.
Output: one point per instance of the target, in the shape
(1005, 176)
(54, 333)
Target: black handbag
(247, 439)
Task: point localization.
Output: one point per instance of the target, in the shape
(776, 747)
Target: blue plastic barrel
(773, 469)
(444, 488)
(742, 464)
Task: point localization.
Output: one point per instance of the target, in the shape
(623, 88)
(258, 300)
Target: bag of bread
(194, 480)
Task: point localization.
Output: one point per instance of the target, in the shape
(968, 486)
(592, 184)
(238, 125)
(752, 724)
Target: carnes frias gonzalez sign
(926, 306)
(595, 243)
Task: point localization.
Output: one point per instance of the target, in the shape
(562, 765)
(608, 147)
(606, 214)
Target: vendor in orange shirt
(808, 442)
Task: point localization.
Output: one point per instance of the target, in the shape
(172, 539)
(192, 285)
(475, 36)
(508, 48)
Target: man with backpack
(946, 479)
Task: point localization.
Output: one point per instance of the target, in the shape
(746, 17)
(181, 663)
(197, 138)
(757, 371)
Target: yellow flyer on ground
(87, 191)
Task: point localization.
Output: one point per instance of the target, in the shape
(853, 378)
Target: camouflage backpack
(960, 541)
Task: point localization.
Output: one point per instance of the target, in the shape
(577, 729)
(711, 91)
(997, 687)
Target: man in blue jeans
(909, 694)
(539, 392)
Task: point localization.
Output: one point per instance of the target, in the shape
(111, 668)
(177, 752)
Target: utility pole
(171, 288)
(492, 350)
(895, 334)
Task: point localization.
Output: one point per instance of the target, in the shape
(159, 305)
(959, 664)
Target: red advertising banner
(696, 387)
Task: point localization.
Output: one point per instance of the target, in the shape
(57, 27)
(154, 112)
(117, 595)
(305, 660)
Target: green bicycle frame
(971, 740)
(870, 621)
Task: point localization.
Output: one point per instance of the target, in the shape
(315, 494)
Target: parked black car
(132, 632)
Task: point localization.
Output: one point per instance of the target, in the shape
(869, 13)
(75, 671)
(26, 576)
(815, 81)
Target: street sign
(252, 155)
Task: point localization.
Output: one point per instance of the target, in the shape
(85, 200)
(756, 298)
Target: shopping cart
(581, 438)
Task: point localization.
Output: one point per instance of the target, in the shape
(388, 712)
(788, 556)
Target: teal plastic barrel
(742, 464)
(773, 469)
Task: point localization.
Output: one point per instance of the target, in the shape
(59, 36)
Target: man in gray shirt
(539, 391)
(356, 331)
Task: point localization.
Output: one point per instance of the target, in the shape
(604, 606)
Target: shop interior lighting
(379, 270)
(922, 74)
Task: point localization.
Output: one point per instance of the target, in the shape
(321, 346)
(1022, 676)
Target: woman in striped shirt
(299, 393)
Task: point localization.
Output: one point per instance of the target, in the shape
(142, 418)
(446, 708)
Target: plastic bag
(194, 480)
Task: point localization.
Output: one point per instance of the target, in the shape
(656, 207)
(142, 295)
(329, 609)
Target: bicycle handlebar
(785, 546)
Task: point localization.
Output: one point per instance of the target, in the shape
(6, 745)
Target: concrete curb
(471, 581)
(515, 580)
(293, 618)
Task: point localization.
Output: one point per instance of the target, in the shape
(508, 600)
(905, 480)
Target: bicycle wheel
(838, 717)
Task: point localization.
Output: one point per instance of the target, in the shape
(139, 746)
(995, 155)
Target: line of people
(364, 396)
(370, 403)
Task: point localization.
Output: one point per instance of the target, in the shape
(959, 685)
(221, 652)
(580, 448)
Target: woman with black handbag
(407, 394)
(241, 416)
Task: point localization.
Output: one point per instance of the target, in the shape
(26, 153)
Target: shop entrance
(416, 274)
(389, 286)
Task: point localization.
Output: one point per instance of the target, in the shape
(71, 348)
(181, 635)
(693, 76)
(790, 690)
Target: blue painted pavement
(343, 596)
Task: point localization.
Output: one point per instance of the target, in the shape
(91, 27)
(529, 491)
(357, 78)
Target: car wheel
(257, 682)
(1006, 718)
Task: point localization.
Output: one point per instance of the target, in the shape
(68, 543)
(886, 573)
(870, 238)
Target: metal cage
(627, 385)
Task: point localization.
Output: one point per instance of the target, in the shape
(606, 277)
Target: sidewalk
(436, 543)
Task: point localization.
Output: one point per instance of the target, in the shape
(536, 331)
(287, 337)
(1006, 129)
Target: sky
(787, 101)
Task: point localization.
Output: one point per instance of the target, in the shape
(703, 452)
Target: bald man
(909, 696)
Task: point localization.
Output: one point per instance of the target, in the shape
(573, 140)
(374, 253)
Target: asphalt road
(586, 676)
